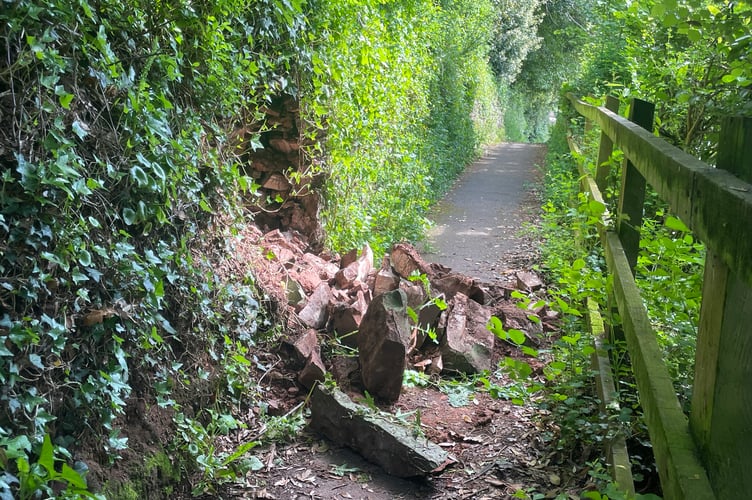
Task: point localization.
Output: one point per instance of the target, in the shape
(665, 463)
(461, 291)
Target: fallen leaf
(306, 476)
(423, 363)
(264, 495)
(449, 461)
(272, 455)
(320, 447)
(97, 316)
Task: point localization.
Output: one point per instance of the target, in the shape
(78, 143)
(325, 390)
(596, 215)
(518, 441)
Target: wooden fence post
(602, 173)
(632, 195)
(606, 147)
(721, 418)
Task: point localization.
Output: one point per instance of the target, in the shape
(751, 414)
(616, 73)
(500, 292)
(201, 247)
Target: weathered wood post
(632, 195)
(602, 174)
(605, 148)
(721, 418)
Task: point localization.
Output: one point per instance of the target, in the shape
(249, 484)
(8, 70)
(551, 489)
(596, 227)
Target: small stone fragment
(314, 314)
(406, 260)
(314, 370)
(454, 283)
(307, 348)
(386, 281)
(276, 182)
(528, 281)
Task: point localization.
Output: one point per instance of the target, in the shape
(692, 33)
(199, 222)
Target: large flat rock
(377, 439)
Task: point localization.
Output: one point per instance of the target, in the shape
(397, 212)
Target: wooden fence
(709, 454)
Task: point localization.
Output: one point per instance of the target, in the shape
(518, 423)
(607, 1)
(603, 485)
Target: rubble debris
(345, 370)
(528, 281)
(313, 371)
(308, 351)
(314, 314)
(345, 320)
(406, 260)
(286, 175)
(513, 317)
(453, 283)
(379, 440)
(416, 294)
(428, 318)
(383, 339)
(467, 345)
(385, 280)
(340, 299)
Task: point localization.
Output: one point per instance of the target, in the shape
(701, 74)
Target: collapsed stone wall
(288, 174)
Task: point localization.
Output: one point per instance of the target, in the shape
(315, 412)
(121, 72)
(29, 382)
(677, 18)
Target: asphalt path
(477, 227)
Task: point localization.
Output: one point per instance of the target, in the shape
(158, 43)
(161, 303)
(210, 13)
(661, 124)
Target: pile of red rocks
(407, 313)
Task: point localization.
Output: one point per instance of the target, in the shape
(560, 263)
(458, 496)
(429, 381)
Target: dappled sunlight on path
(477, 226)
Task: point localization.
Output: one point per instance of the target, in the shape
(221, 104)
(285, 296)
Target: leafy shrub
(406, 100)
(115, 155)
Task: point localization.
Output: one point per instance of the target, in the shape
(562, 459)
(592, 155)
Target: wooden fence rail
(709, 455)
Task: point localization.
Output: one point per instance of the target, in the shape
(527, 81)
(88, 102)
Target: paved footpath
(477, 225)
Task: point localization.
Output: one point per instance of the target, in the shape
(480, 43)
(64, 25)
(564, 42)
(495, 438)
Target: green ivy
(117, 154)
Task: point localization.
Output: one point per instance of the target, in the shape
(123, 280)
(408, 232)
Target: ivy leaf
(458, 395)
(84, 258)
(129, 216)
(36, 360)
(56, 259)
(94, 274)
(80, 129)
(65, 98)
(16, 447)
(255, 464)
(78, 276)
(138, 174)
(4, 351)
